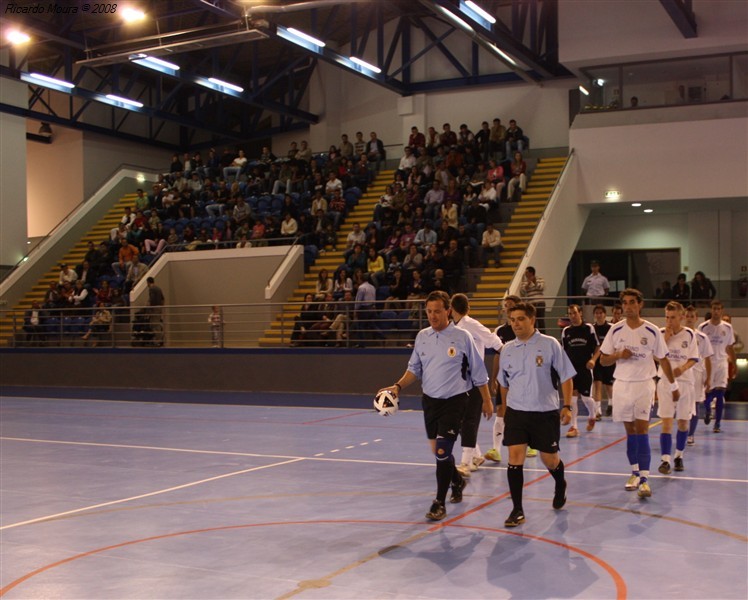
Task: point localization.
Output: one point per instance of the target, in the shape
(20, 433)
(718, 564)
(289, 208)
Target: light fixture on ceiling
(636, 204)
(16, 37)
(584, 90)
(132, 15)
(648, 210)
(155, 63)
(220, 86)
(45, 130)
(120, 102)
(475, 12)
(600, 82)
(455, 19)
(46, 81)
(300, 38)
(365, 65)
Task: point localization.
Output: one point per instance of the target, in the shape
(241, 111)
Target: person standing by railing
(532, 290)
(215, 319)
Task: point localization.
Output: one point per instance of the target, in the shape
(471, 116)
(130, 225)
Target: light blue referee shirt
(526, 371)
(447, 362)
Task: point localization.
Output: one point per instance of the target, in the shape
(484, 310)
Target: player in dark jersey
(505, 334)
(602, 377)
(580, 343)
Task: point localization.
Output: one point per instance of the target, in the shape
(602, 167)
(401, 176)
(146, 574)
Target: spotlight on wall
(45, 130)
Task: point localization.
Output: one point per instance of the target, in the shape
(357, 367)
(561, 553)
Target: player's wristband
(399, 387)
(566, 406)
(674, 386)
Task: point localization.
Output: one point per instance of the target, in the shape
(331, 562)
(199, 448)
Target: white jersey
(645, 343)
(705, 351)
(720, 336)
(681, 348)
(482, 335)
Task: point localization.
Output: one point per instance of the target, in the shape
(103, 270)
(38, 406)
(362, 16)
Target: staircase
(73, 257)
(516, 237)
(280, 329)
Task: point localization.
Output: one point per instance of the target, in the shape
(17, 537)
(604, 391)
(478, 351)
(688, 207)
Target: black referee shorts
(539, 430)
(443, 416)
(604, 374)
(583, 381)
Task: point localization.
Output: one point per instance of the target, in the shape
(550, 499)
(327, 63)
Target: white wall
(13, 217)
(598, 32)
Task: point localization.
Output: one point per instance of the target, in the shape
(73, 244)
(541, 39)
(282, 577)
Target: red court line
(615, 576)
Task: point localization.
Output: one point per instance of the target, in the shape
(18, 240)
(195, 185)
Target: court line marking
(324, 581)
(320, 456)
(149, 494)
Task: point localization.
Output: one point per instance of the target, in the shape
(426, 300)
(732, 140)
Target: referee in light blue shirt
(448, 364)
(532, 367)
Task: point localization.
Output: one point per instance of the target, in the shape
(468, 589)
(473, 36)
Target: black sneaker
(707, 418)
(517, 517)
(457, 488)
(559, 497)
(609, 411)
(664, 467)
(437, 511)
(678, 464)
(716, 429)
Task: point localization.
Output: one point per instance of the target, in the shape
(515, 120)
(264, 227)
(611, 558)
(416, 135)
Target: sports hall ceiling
(245, 42)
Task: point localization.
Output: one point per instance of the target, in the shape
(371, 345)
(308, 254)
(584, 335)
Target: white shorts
(632, 400)
(682, 410)
(719, 374)
(699, 382)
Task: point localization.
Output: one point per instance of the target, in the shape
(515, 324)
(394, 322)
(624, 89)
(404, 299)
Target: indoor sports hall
(220, 221)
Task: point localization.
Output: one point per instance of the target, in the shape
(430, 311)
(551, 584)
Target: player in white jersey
(702, 371)
(472, 458)
(722, 338)
(631, 346)
(683, 354)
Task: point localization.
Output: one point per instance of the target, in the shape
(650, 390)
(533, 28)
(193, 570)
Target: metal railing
(389, 323)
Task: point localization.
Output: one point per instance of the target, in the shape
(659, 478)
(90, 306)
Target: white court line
(320, 457)
(157, 492)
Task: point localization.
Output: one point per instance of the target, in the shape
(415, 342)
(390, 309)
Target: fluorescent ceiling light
(155, 63)
(365, 65)
(600, 82)
(648, 210)
(584, 90)
(636, 204)
(477, 9)
(131, 15)
(126, 102)
(17, 37)
(503, 54)
(225, 84)
(47, 81)
(306, 37)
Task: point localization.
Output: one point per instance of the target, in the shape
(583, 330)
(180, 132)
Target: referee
(448, 364)
(532, 365)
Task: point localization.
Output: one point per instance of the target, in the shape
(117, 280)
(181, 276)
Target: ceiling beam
(681, 12)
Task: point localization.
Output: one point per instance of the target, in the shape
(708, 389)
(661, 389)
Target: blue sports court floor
(279, 498)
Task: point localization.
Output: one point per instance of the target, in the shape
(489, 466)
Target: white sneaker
(463, 470)
(477, 462)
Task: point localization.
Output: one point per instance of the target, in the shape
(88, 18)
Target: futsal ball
(386, 403)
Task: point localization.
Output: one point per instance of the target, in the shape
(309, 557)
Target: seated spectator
(67, 274)
(232, 171)
(289, 226)
(445, 235)
(490, 243)
(304, 321)
(702, 290)
(375, 267)
(425, 237)
(365, 311)
(519, 176)
(357, 259)
(336, 209)
(100, 322)
(342, 284)
(52, 296)
(454, 162)
(476, 216)
(304, 153)
(135, 272)
(359, 146)
(449, 214)
(346, 148)
(448, 137)
(465, 140)
(454, 265)
(86, 273)
(497, 139)
(79, 298)
(375, 150)
(356, 236)
(487, 196)
(103, 293)
(438, 282)
(323, 286)
(407, 162)
(416, 287)
(343, 313)
(496, 177)
(33, 325)
(433, 200)
(482, 141)
(125, 257)
(398, 291)
(413, 260)
(392, 242)
(515, 138)
(322, 230)
(681, 291)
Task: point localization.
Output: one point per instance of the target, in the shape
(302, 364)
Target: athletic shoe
(716, 429)
(477, 462)
(665, 467)
(463, 470)
(590, 424)
(609, 411)
(559, 496)
(690, 441)
(572, 433)
(632, 483)
(457, 488)
(493, 455)
(437, 511)
(679, 464)
(644, 490)
(707, 417)
(516, 517)
(599, 417)
(531, 452)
